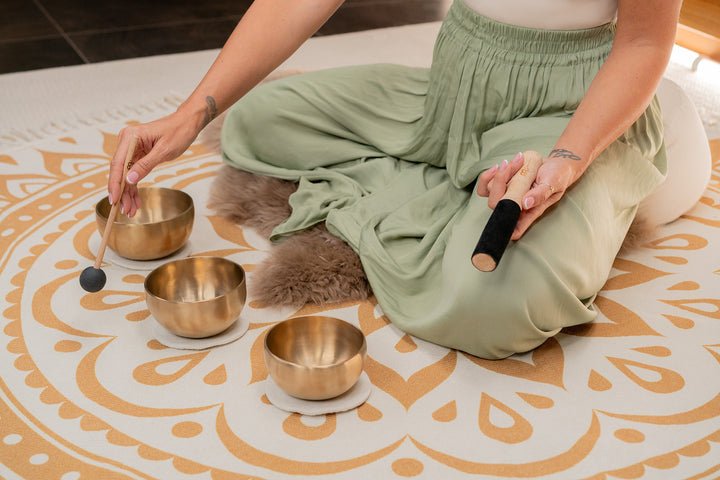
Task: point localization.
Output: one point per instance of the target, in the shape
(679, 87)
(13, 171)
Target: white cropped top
(548, 14)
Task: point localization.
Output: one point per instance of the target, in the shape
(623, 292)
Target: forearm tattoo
(210, 110)
(561, 153)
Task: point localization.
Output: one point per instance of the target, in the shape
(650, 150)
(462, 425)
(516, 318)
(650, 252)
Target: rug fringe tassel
(21, 137)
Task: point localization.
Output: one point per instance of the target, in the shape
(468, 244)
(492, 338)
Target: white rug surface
(87, 392)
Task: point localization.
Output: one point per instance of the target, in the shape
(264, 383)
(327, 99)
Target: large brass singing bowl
(161, 226)
(315, 358)
(196, 297)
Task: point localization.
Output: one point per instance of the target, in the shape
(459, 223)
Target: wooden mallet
(499, 228)
(93, 279)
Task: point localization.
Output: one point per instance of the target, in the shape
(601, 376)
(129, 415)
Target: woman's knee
(502, 320)
(266, 124)
(256, 112)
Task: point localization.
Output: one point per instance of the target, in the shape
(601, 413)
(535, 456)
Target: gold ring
(552, 189)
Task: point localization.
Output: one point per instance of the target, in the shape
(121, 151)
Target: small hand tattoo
(561, 153)
(210, 110)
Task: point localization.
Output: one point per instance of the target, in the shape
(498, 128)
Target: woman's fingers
(505, 172)
(553, 178)
(495, 179)
(529, 215)
(128, 197)
(483, 186)
(538, 194)
(116, 166)
(159, 141)
(127, 201)
(148, 154)
(152, 153)
(546, 191)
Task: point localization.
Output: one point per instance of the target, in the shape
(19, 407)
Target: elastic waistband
(480, 32)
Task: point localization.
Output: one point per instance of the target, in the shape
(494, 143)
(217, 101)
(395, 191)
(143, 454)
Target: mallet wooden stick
(93, 279)
(499, 228)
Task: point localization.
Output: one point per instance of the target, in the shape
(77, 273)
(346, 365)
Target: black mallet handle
(501, 224)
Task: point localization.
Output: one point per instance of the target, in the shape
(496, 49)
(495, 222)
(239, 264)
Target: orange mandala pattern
(87, 392)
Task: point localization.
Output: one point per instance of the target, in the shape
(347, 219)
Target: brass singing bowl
(161, 226)
(196, 297)
(315, 357)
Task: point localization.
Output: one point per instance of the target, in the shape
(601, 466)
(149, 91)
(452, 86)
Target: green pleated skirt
(388, 156)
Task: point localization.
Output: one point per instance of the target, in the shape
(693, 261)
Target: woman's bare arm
(617, 96)
(269, 32)
(266, 36)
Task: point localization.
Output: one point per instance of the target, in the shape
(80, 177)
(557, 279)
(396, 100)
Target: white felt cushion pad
(689, 160)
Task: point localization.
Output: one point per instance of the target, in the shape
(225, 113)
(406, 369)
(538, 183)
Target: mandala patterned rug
(87, 392)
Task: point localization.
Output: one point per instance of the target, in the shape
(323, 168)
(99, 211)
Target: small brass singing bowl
(161, 226)
(315, 357)
(196, 297)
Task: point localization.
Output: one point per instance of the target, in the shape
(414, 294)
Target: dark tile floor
(51, 33)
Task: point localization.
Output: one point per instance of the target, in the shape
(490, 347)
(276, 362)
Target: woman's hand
(554, 177)
(253, 50)
(159, 141)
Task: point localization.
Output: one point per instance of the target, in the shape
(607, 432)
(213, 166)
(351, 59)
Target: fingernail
(132, 177)
(518, 157)
(493, 169)
(110, 199)
(122, 209)
(503, 165)
(529, 202)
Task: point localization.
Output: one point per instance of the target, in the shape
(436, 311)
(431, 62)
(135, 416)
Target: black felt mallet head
(501, 224)
(93, 279)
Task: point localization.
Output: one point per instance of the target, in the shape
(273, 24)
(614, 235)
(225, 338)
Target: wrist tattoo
(210, 110)
(562, 153)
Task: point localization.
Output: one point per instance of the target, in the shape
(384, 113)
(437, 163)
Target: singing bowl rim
(183, 194)
(240, 284)
(362, 349)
